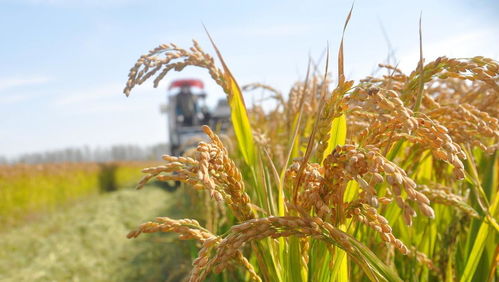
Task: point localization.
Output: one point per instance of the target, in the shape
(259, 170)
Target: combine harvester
(187, 112)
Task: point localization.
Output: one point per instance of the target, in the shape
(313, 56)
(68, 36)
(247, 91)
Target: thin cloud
(104, 99)
(265, 31)
(100, 93)
(277, 30)
(13, 99)
(75, 2)
(109, 92)
(12, 82)
(467, 44)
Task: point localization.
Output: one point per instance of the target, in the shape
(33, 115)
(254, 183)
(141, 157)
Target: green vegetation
(86, 242)
(26, 190)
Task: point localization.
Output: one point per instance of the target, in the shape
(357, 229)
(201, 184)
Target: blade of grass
(239, 114)
(293, 144)
(419, 98)
(311, 139)
(338, 135)
(293, 141)
(341, 71)
(486, 228)
(476, 252)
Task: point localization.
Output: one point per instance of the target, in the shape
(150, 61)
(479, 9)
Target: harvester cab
(187, 111)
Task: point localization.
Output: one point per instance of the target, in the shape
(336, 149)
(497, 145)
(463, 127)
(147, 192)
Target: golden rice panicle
(369, 216)
(294, 98)
(271, 227)
(392, 69)
(468, 126)
(210, 169)
(261, 139)
(457, 117)
(385, 106)
(182, 166)
(454, 91)
(226, 176)
(476, 69)
(394, 79)
(174, 163)
(203, 264)
(423, 259)
(449, 113)
(473, 69)
(304, 250)
(310, 195)
(443, 195)
(387, 120)
(166, 57)
(435, 136)
(186, 228)
(190, 229)
(303, 91)
(369, 167)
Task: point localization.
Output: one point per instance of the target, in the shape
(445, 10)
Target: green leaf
(340, 271)
(337, 135)
(340, 266)
(486, 230)
(424, 168)
(351, 191)
(238, 113)
(374, 263)
(240, 121)
(294, 265)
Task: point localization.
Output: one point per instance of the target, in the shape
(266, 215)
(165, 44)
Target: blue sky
(63, 63)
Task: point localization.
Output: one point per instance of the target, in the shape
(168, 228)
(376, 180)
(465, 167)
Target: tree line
(87, 154)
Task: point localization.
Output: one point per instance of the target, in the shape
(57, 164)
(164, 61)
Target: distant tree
(87, 154)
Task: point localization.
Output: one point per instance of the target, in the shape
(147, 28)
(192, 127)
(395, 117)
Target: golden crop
(389, 178)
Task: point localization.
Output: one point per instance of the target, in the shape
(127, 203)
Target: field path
(87, 242)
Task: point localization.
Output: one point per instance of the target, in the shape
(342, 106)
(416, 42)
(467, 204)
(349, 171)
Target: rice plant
(390, 178)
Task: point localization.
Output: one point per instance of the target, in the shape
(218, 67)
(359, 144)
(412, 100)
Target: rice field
(28, 190)
(390, 178)
(86, 242)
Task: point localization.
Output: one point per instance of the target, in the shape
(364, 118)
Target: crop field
(297, 141)
(26, 190)
(390, 178)
(68, 222)
(86, 242)
(393, 177)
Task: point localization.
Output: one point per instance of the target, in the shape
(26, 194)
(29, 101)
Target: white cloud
(11, 82)
(13, 99)
(89, 95)
(466, 44)
(75, 2)
(274, 30)
(105, 99)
